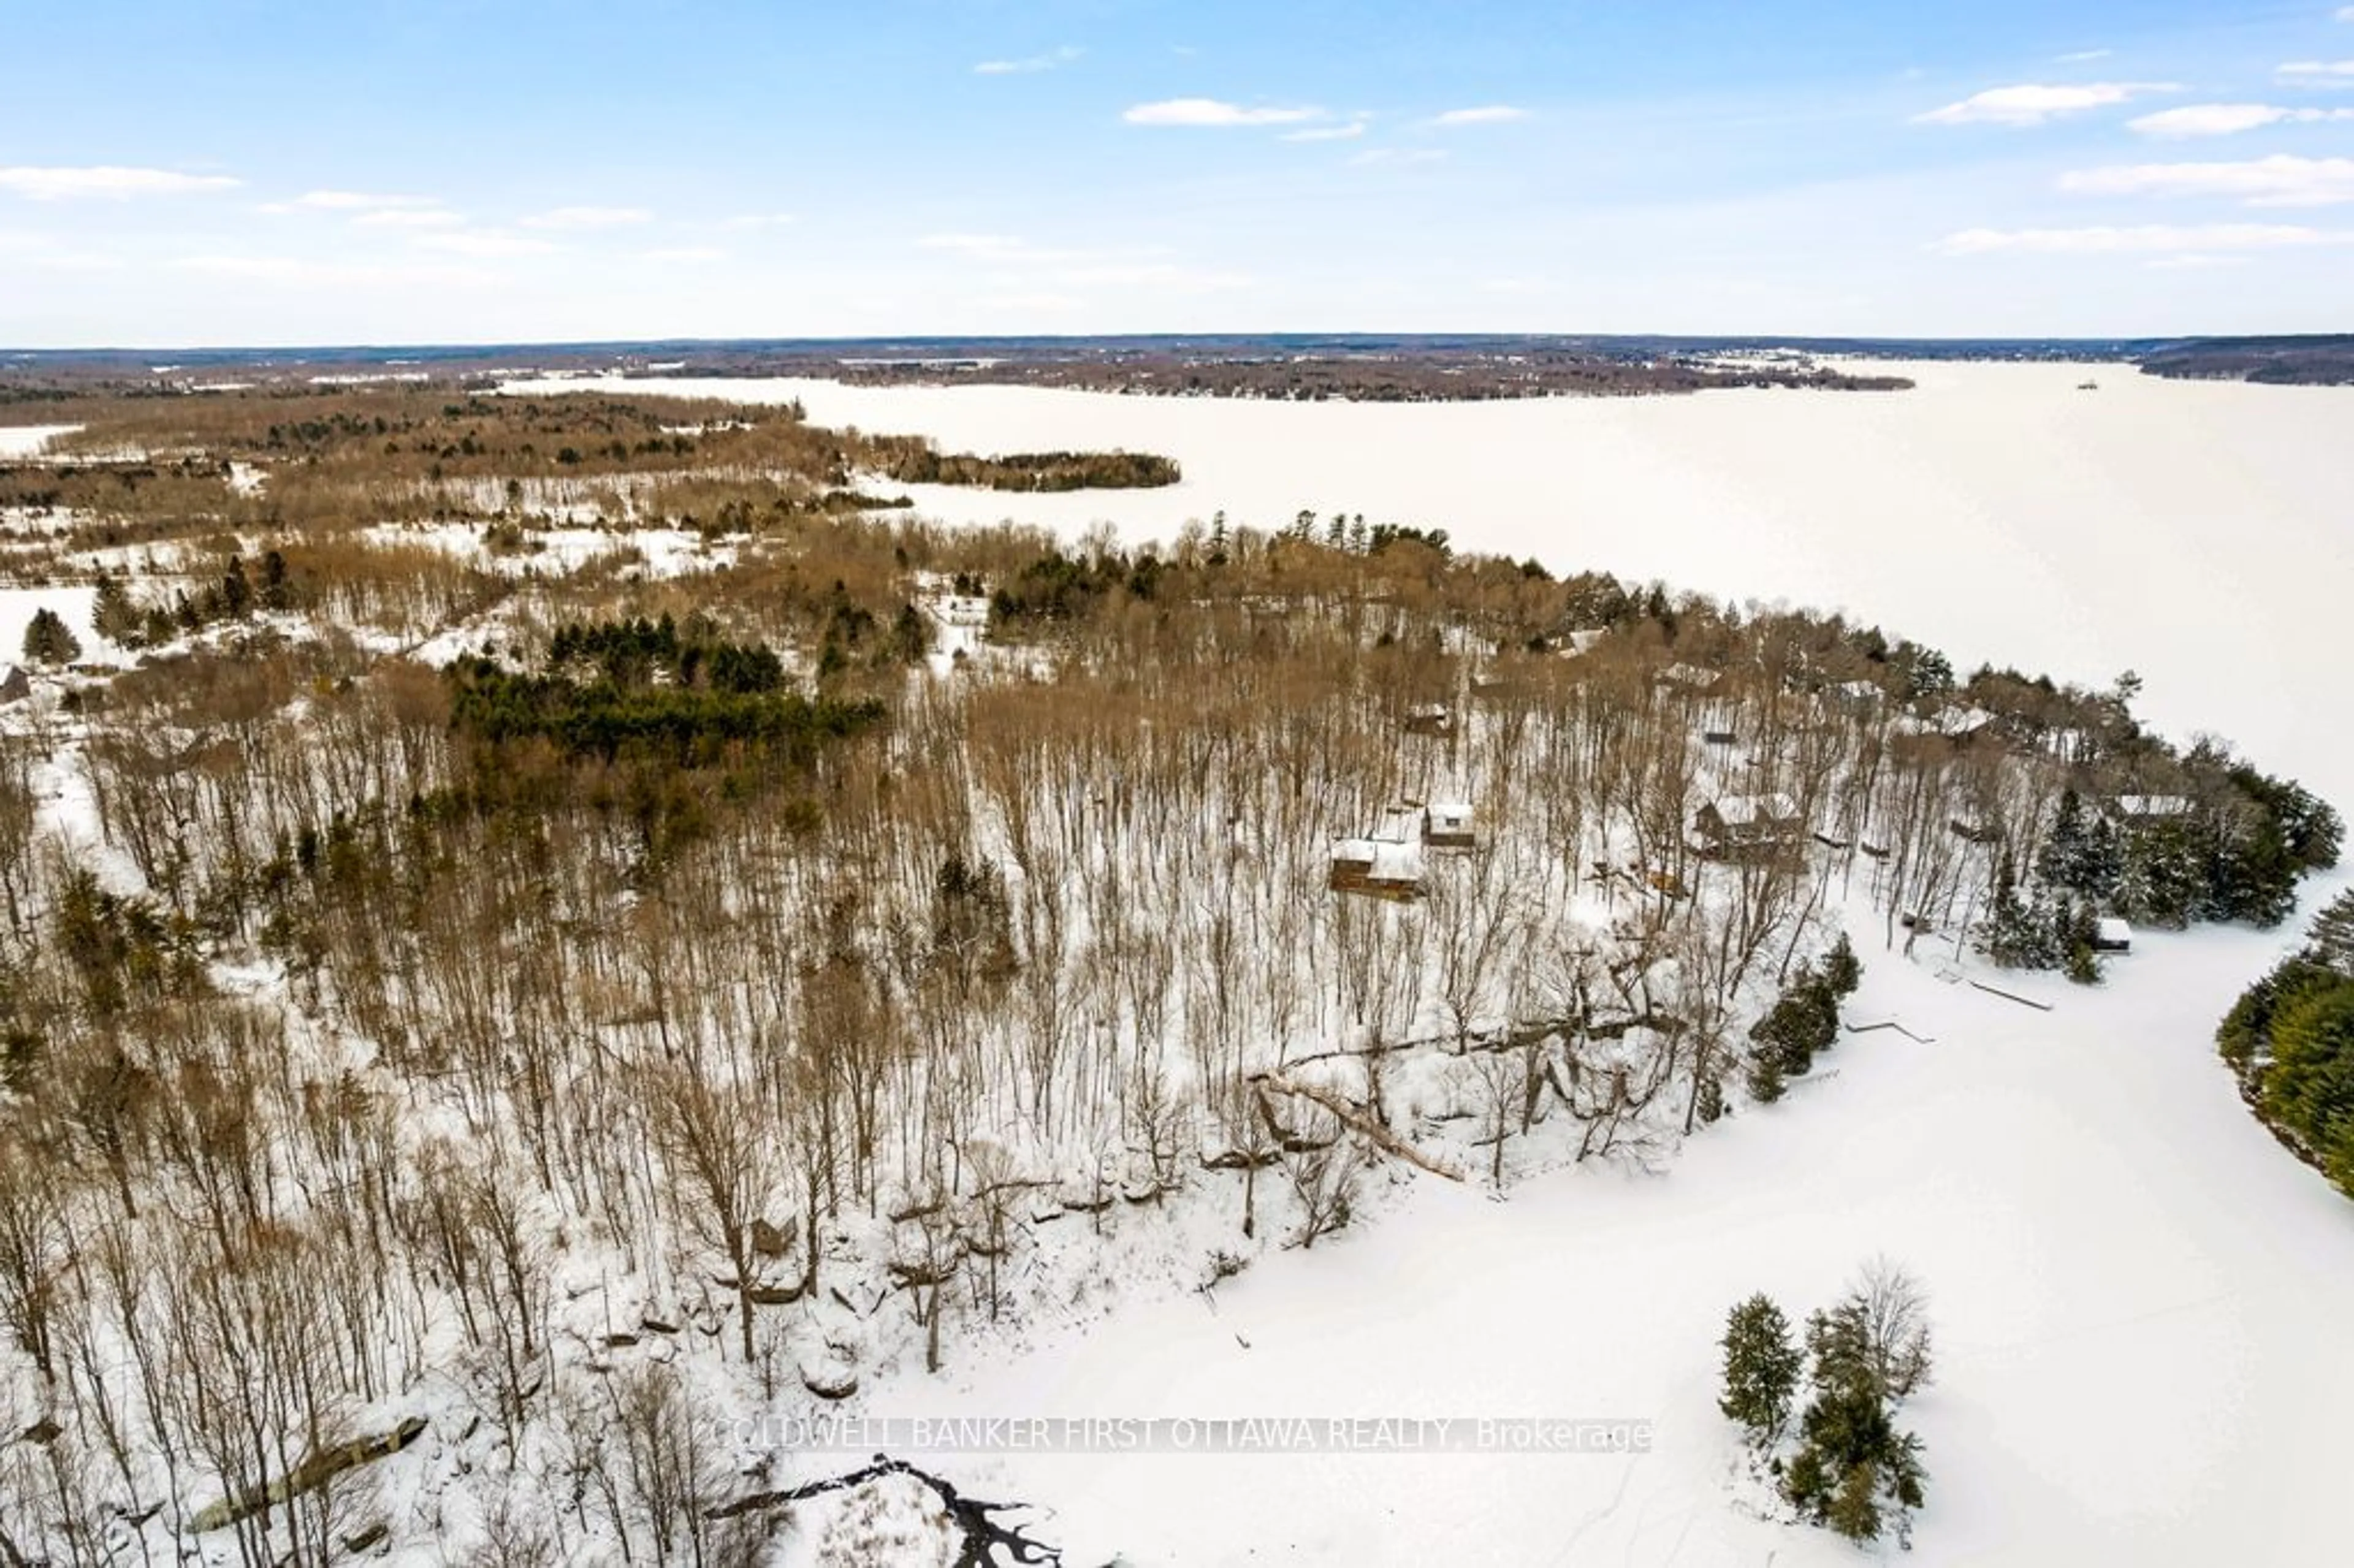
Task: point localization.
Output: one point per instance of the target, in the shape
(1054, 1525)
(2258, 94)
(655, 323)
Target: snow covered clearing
(30, 440)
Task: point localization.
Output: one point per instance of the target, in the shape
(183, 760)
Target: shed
(1449, 825)
(2151, 807)
(2110, 935)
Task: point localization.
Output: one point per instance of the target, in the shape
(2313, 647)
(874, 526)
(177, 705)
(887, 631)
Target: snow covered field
(2140, 1297)
(27, 441)
(2193, 531)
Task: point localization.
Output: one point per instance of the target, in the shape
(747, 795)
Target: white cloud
(407, 218)
(357, 201)
(295, 272)
(2319, 73)
(2083, 56)
(1485, 115)
(589, 217)
(2153, 237)
(2346, 12)
(1054, 59)
(1395, 156)
(106, 181)
(2031, 104)
(1348, 133)
(983, 246)
(684, 254)
(2277, 181)
(484, 242)
(1214, 113)
(759, 220)
(1169, 277)
(2227, 119)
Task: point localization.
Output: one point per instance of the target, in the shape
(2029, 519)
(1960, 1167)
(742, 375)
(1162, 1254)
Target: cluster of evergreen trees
(2291, 1039)
(1056, 586)
(719, 699)
(1804, 1020)
(232, 596)
(915, 462)
(2042, 929)
(1847, 1465)
(2236, 856)
(2234, 853)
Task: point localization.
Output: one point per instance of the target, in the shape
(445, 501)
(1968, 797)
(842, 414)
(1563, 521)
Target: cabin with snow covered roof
(1382, 868)
(1430, 718)
(2140, 808)
(1732, 824)
(1449, 825)
(1688, 677)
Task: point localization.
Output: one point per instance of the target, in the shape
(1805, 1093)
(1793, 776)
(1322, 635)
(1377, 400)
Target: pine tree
(1854, 1510)
(1766, 1077)
(112, 614)
(276, 592)
(2060, 861)
(1842, 971)
(1760, 1369)
(49, 640)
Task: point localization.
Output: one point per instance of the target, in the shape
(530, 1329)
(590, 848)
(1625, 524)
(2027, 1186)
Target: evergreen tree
(1842, 971)
(2061, 860)
(276, 592)
(49, 640)
(114, 614)
(1854, 1510)
(236, 592)
(1762, 1367)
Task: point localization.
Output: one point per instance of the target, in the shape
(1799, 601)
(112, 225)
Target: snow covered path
(2139, 1301)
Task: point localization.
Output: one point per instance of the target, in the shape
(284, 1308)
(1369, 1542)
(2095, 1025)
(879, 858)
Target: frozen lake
(2198, 533)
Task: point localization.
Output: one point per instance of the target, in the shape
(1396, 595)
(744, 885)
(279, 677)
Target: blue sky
(254, 172)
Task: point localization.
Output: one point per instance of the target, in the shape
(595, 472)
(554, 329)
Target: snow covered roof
(2109, 928)
(1584, 640)
(1450, 811)
(1389, 861)
(2152, 805)
(1748, 810)
(1688, 675)
(1951, 721)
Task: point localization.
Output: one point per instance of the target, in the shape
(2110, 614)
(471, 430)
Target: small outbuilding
(1449, 825)
(2110, 935)
(14, 684)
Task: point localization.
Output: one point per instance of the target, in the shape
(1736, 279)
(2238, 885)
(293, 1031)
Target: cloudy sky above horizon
(396, 171)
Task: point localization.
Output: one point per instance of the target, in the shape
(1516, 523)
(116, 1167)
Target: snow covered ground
(2139, 1298)
(2191, 530)
(27, 441)
(2139, 1302)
